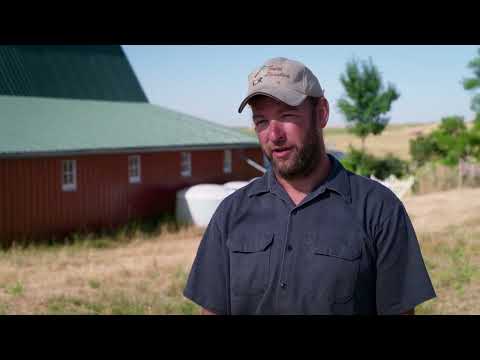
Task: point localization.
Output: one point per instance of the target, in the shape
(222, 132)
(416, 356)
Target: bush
(366, 164)
(448, 144)
(423, 149)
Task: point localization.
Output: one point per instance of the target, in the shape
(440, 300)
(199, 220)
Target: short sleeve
(207, 283)
(402, 280)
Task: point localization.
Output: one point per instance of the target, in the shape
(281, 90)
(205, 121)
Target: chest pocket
(250, 263)
(334, 266)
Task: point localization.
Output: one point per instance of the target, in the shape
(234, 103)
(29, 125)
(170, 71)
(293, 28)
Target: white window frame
(69, 175)
(227, 162)
(186, 164)
(134, 169)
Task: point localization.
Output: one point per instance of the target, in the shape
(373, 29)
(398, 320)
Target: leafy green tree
(473, 84)
(367, 101)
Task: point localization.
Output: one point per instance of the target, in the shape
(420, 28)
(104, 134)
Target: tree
(366, 100)
(474, 83)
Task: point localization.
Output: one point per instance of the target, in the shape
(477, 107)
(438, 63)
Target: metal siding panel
(103, 192)
(69, 71)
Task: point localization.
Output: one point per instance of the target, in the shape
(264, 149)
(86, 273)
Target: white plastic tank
(197, 204)
(235, 185)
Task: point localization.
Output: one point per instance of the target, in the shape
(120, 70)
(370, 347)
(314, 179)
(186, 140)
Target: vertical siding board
(45, 200)
(28, 201)
(6, 200)
(3, 228)
(28, 183)
(39, 182)
(55, 170)
(18, 198)
(10, 196)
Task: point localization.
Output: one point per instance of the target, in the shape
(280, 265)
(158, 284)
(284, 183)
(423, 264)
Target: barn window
(134, 169)
(69, 175)
(227, 161)
(186, 164)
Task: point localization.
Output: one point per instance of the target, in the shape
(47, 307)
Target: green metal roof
(31, 125)
(100, 72)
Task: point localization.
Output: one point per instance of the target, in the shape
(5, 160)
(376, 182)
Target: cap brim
(289, 97)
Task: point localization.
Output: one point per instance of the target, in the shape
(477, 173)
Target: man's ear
(323, 112)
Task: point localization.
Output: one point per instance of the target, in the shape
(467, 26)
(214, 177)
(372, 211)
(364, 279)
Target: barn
(81, 148)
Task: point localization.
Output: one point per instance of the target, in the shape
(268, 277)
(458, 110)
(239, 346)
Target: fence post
(460, 173)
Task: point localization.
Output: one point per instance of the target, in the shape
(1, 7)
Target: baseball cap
(283, 79)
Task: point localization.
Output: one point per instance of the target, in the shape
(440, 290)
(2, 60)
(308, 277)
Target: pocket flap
(342, 251)
(250, 243)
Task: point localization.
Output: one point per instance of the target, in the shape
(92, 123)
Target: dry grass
(448, 227)
(135, 277)
(394, 139)
(147, 275)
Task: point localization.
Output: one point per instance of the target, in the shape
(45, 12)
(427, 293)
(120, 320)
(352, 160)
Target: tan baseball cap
(283, 79)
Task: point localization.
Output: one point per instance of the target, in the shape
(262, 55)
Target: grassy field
(394, 139)
(146, 274)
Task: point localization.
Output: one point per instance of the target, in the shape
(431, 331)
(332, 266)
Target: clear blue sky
(210, 81)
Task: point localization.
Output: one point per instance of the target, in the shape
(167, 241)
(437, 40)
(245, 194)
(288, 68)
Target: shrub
(366, 164)
(448, 144)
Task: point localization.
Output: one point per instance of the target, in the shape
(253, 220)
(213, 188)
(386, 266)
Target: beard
(304, 158)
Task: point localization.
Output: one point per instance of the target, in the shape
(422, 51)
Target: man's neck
(299, 188)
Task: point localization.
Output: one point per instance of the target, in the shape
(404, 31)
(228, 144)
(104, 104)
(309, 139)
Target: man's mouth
(281, 152)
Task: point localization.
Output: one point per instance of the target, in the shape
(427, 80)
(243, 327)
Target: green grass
(3, 309)
(65, 305)
(94, 284)
(427, 308)
(16, 289)
(143, 301)
(147, 228)
(450, 258)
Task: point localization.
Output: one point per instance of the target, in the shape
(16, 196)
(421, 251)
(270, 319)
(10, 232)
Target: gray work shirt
(348, 248)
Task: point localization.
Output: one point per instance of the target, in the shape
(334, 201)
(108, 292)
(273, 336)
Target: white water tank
(235, 185)
(197, 204)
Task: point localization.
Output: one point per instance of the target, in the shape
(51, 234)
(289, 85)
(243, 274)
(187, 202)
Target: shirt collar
(337, 181)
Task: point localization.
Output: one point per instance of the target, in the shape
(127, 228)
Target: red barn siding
(33, 205)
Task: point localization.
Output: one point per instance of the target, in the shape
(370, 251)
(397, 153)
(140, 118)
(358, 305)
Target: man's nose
(276, 132)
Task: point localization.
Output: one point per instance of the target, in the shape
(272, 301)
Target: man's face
(289, 136)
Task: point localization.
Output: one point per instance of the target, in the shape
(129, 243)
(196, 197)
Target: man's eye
(260, 122)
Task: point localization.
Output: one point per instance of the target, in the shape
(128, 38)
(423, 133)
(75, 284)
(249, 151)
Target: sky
(211, 81)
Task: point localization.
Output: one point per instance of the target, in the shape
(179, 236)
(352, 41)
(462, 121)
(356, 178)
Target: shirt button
(283, 285)
(289, 248)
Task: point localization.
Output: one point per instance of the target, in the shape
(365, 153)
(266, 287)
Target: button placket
(286, 261)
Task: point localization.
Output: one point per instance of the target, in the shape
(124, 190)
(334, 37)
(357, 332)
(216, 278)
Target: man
(308, 237)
